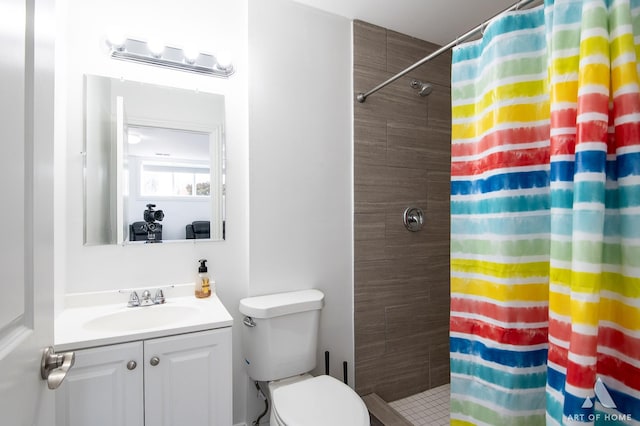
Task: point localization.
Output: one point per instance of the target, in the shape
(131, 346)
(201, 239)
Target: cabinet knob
(131, 365)
(154, 361)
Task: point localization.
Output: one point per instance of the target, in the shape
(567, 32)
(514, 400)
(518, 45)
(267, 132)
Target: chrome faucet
(146, 300)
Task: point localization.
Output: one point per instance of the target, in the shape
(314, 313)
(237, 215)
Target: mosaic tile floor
(428, 408)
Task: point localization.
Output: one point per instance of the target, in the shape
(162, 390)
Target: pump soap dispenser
(203, 288)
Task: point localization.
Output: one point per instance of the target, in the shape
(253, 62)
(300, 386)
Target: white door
(104, 388)
(26, 209)
(187, 379)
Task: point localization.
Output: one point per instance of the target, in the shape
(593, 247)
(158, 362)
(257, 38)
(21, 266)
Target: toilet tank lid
(274, 305)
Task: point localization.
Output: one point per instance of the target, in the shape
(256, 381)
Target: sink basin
(140, 318)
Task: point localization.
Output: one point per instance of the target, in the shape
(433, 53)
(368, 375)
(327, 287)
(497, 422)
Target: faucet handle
(159, 297)
(146, 298)
(134, 300)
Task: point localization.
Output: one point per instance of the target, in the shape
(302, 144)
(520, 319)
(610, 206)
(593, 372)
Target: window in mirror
(173, 163)
(174, 180)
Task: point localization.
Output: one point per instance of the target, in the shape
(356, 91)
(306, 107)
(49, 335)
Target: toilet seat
(318, 401)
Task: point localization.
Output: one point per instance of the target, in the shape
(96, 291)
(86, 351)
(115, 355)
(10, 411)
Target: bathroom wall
(402, 159)
(212, 25)
(301, 163)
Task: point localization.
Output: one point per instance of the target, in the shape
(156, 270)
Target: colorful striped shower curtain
(545, 231)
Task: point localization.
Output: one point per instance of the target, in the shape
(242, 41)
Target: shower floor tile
(428, 408)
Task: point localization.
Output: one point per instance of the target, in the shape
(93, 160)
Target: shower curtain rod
(480, 28)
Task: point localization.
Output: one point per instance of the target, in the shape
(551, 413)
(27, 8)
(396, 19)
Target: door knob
(54, 367)
(154, 361)
(131, 365)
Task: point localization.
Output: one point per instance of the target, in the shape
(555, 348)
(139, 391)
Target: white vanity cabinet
(100, 390)
(188, 379)
(177, 380)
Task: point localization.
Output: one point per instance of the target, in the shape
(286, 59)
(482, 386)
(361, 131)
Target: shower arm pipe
(361, 97)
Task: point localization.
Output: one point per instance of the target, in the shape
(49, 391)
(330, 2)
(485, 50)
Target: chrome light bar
(170, 57)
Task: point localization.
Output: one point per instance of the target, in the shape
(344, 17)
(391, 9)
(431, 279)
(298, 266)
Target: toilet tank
(280, 333)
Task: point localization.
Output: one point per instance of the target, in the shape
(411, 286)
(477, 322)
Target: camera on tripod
(154, 229)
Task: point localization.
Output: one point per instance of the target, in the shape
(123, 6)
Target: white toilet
(279, 341)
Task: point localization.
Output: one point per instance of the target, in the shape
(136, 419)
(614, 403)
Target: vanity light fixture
(189, 60)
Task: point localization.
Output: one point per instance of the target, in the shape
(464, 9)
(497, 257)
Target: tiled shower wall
(402, 159)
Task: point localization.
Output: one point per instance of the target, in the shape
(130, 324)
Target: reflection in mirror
(154, 163)
(169, 183)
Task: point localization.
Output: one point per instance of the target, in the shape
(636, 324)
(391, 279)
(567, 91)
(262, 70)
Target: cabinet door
(188, 379)
(100, 390)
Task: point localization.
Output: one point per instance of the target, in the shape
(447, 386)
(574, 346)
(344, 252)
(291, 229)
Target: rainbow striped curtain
(545, 203)
(594, 289)
(500, 224)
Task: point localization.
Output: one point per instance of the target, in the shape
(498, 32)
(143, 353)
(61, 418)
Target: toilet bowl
(279, 344)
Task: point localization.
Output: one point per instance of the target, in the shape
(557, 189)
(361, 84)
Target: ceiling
(437, 21)
(169, 144)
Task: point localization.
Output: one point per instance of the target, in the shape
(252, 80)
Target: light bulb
(190, 54)
(156, 47)
(116, 39)
(224, 61)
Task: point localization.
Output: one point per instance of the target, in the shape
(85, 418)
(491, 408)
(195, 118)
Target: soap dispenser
(203, 288)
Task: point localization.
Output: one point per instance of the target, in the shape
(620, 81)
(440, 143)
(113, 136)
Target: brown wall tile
(372, 137)
(377, 186)
(402, 158)
(369, 46)
(439, 108)
(404, 51)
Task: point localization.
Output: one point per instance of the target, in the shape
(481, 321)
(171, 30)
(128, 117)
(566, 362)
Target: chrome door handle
(154, 361)
(54, 367)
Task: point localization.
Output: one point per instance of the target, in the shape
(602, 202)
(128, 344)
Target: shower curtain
(545, 227)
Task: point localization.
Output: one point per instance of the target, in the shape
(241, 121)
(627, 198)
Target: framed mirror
(154, 168)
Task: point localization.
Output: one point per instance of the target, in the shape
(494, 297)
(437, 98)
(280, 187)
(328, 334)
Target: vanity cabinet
(188, 379)
(100, 390)
(177, 380)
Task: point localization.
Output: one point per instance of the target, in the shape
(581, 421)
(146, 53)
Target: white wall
(212, 24)
(300, 124)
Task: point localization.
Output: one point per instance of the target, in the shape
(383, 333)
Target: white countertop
(73, 328)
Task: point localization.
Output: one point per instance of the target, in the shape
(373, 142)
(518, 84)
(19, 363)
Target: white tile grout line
(430, 407)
